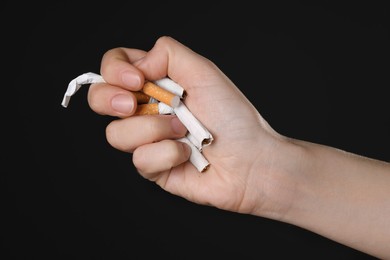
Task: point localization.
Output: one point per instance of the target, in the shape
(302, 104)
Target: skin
(254, 170)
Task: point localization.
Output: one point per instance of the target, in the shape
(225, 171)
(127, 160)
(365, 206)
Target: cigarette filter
(141, 97)
(171, 86)
(196, 157)
(160, 94)
(200, 136)
(153, 109)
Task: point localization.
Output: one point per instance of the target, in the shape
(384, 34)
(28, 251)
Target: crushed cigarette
(160, 94)
(196, 158)
(200, 136)
(75, 84)
(141, 97)
(159, 108)
(171, 86)
(193, 140)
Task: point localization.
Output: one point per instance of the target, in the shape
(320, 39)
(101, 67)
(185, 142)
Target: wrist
(336, 194)
(281, 181)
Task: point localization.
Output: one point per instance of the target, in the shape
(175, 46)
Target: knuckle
(163, 40)
(154, 128)
(173, 154)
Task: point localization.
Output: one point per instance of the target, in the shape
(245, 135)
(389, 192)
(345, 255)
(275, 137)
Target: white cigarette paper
(200, 135)
(171, 86)
(196, 158)
(164, 109)
(193, 140)
(153, 100)
(75, 84)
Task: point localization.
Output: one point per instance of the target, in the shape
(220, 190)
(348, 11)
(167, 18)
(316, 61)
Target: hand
(243, 155)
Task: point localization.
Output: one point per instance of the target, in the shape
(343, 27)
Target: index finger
(117, 69)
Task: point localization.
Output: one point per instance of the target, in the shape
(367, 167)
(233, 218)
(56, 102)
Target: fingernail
(130, 79)
(122, 104)
(178, 127)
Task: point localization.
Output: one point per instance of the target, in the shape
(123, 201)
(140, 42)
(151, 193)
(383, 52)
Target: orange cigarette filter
(161, 94)
(141, 97)
(147, 109)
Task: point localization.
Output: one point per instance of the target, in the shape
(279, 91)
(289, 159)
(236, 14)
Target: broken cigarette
(196, 158)
(200, 136)
(75, 84)
(193, 140)
(153, 109)
(141, 97)
(170, 85)
(160, 94)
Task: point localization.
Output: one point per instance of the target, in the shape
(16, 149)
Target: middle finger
(129, 133)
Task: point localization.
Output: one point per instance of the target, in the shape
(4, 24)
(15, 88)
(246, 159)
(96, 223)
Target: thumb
(168, 57)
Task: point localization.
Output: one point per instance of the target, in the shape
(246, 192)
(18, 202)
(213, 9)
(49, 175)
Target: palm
(234, 124)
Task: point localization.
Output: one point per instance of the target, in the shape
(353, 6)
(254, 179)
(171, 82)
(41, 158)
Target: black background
(318, 72)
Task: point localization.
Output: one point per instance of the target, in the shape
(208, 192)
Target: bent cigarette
(141, 97)
(170, 85)
(196, 157)
(200, 135)
(76, 83)
(153, 109)
(160, 94)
